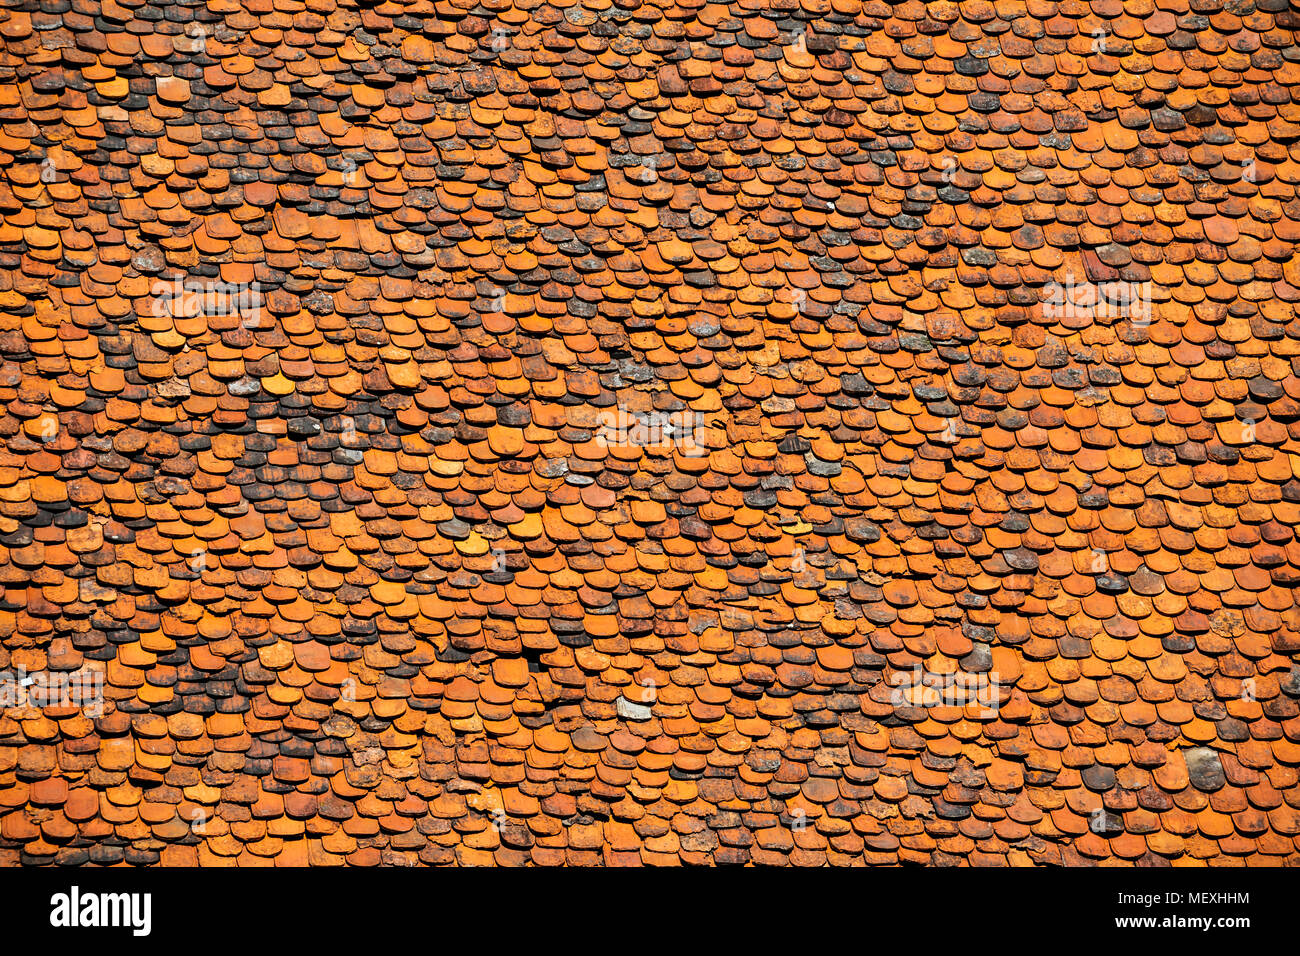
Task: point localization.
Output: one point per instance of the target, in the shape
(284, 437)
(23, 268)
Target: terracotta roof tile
(692, 434)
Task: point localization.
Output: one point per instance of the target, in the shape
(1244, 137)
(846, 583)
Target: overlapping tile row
(312, 317)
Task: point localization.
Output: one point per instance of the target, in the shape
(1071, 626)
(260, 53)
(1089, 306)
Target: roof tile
(852, 435)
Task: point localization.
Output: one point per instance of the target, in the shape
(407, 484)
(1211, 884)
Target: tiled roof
(572, 432)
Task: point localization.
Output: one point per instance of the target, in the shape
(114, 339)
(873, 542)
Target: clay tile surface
(641, 433)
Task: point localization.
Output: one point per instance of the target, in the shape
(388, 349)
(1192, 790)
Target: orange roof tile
(848, 433)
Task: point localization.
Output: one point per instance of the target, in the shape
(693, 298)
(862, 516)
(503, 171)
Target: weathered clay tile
(641, 435)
